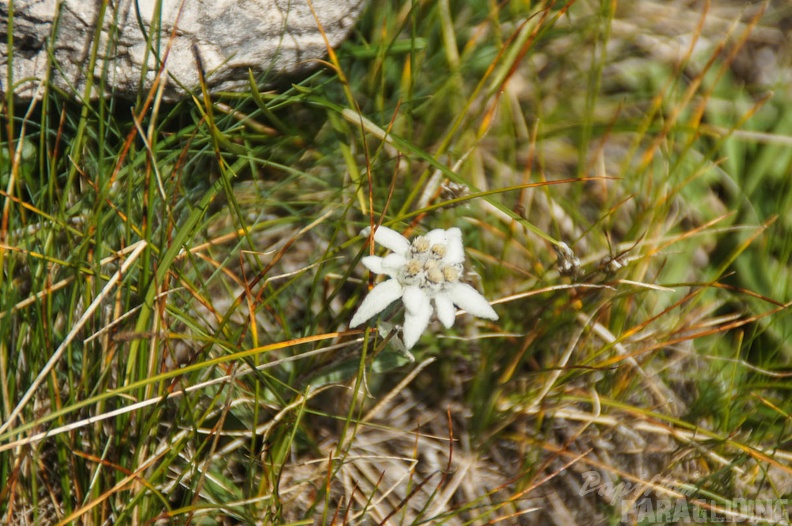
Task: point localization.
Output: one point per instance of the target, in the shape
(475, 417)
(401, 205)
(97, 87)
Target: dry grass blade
(111, 283)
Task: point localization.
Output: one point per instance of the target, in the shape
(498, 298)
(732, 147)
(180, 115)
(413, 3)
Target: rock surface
(269, 37)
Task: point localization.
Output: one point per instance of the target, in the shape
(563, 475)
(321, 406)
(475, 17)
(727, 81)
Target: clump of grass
(178, 279)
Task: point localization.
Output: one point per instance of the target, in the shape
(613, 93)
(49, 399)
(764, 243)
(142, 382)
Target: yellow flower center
(451, 274)
(420, 245)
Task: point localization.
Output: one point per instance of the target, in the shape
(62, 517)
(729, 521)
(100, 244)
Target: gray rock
(269, 37)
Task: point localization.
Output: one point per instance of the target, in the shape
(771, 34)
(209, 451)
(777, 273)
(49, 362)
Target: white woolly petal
(466, 297)
(438, 235)
(392, 240)
(417, 315)
(445, 310)
(392, 263)
(377, 300)
(373, 263)
(415, 300)
(455, 252)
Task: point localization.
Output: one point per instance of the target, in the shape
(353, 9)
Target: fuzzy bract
(423, 272)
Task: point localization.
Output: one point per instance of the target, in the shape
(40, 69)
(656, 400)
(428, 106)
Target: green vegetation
(177, 280)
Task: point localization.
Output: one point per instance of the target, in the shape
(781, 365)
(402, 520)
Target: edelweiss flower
(426, 270)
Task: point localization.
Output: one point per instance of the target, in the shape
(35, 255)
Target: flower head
(424, 271)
